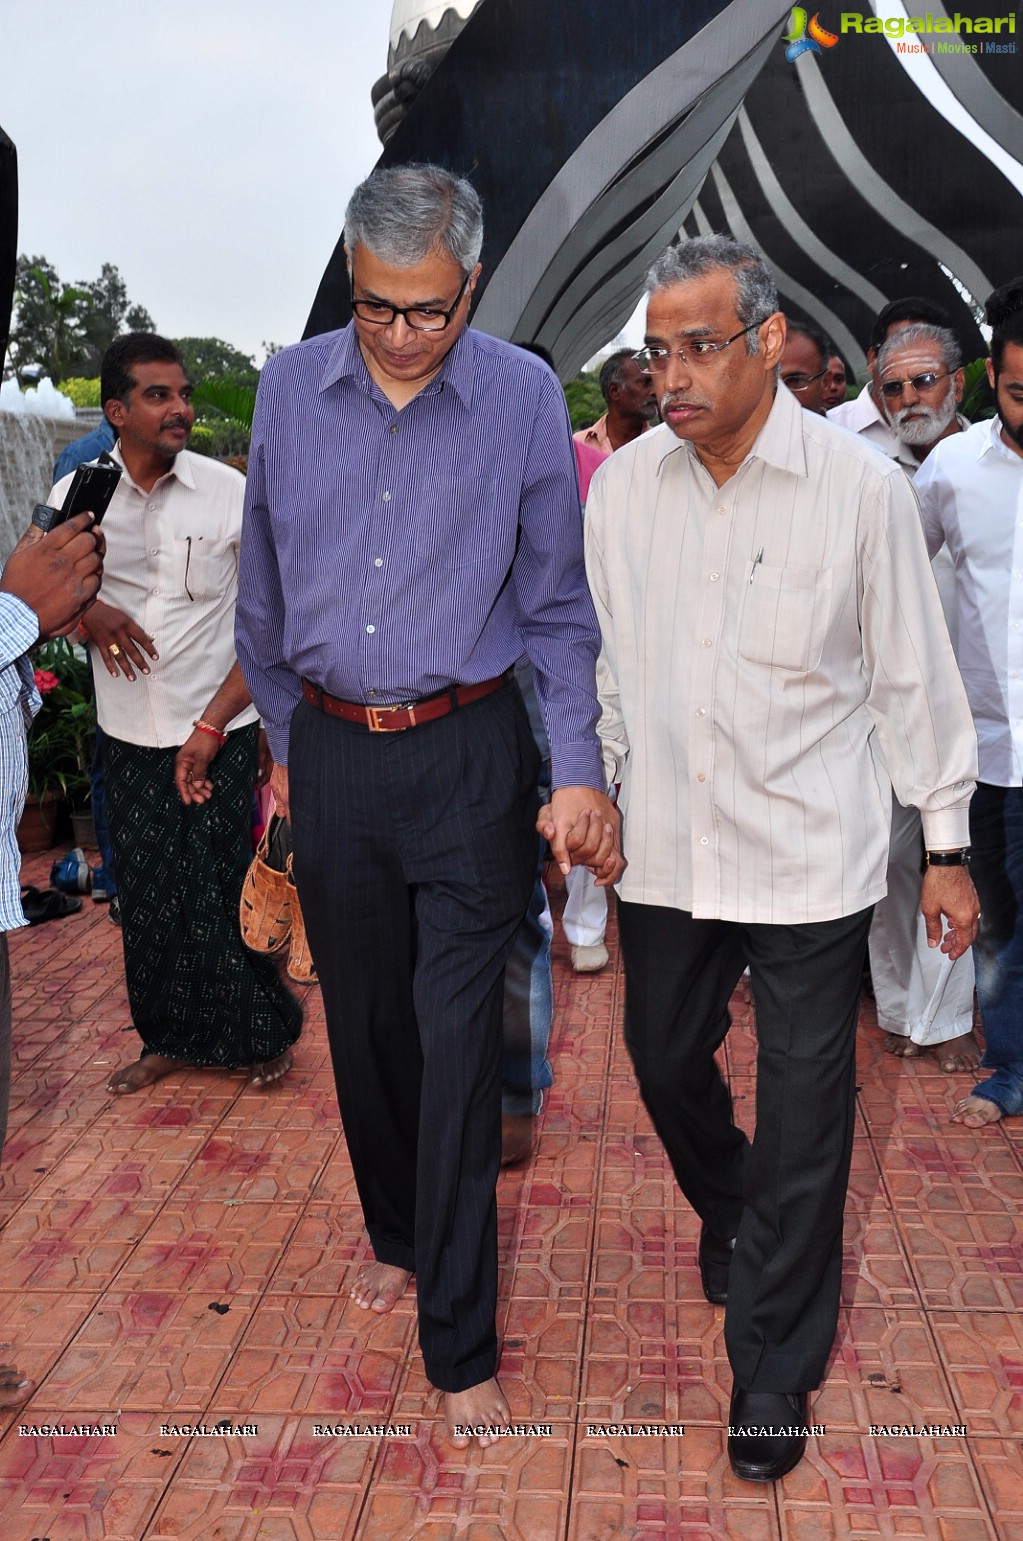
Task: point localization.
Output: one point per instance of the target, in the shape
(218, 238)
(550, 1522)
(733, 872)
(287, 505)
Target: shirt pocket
(785, 617)
(204, 568)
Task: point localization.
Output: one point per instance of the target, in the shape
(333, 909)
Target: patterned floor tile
(164, 1353)
(974, 1172)
(665, 1489)
(874, 1266)
(856, 1486)
(63, 1244)
(885, 1368)
(84, 1487)
(262, 1165)
(285, 1482)
(998, 1468)
(227, 1247)
(320, 1258)
(982, 1352)
(965, 1262)
(35, 1330)
(320, 1356)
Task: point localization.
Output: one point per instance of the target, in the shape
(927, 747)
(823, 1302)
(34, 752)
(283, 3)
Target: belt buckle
(376, 714)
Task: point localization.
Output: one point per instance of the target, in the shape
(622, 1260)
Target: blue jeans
(528, 1007)
(996, 865)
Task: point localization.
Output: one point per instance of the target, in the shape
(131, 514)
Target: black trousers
(415, 856)
(782, 1196)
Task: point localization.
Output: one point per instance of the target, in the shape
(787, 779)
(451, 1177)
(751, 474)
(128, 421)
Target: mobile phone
(90, 491)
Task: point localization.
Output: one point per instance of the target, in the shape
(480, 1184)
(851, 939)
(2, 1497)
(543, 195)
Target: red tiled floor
(184, 1258)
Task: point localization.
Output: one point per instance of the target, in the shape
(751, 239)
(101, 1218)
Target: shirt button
(701, 711)
(379, 562)
(704, 840)
(371, 629)
(707, 642)
(387, 497)
(714, 577)
(150, 508)
(156, 591)
(701, 776)
(393, 428)
(721, 508)
(154, 551)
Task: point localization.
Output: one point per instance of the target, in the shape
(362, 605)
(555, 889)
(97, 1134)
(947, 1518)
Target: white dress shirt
(971, 494)
(172, 565)
(773, 651)
(861, 416)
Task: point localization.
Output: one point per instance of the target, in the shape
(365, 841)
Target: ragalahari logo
(806, 36)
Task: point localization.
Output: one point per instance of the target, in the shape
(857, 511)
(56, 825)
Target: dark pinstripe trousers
(415, 856)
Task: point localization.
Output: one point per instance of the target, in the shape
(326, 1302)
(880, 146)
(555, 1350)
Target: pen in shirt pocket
(756, 563)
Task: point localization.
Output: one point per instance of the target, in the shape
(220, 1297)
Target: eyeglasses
(421, 318)
(798, 382)
(695, 352)
(891, 389)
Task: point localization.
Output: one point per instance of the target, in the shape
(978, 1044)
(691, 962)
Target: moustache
(677, 399)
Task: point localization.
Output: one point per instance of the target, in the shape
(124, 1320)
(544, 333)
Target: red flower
(45, 681)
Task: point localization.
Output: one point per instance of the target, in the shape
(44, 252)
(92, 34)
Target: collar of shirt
(779, 442)
(992, 441)
(347, 363)
(181, 470)
(862, 412)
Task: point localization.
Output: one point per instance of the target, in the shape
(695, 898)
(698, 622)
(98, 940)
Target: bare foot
(975, 1112)
(476, 1414)
(144, 1071)
(266, 1074)
(955, 1054)
(518, 1137)
(903, 1048)
(378, 1285)
(15, 1388)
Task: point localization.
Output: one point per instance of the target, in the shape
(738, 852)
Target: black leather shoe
(715, 1258)
(766, 1433)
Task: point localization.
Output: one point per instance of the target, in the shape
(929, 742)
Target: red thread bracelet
(207, 727)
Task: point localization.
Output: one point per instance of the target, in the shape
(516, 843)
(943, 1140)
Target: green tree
(66, 328)
(585, 403)
(110, 312)
(208, 358)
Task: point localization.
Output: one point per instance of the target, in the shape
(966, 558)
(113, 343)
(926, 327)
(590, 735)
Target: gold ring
(115, 651)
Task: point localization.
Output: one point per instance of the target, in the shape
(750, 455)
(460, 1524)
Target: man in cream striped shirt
(774, 660)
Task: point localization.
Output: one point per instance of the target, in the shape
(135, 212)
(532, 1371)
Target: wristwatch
(959, 858)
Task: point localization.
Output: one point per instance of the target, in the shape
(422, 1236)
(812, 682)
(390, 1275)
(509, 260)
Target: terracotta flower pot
(38, 826)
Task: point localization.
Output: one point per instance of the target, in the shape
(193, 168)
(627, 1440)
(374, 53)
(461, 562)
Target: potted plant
(60, 740)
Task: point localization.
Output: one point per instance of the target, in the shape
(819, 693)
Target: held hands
(949, 891)
(584, 830)
(57, 575)
(120, 641)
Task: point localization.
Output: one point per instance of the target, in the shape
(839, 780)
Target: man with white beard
(924, 1001)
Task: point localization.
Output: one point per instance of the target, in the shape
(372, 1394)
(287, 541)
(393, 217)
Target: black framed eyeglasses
(891, 390)
(799, 382)
(421, 318)
(696, 352)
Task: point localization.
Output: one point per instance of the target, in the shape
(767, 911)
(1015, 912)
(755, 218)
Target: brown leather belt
(395, 719)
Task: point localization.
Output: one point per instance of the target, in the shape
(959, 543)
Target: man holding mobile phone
(181, 737)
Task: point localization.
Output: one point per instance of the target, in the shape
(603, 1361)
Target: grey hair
(757, 293)
(940, 336)
(406, 213)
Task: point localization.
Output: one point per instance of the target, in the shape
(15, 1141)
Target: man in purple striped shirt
(412, 528)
